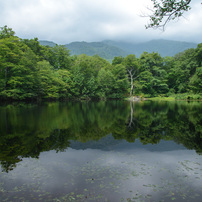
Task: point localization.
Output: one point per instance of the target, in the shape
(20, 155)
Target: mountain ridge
(108, 49)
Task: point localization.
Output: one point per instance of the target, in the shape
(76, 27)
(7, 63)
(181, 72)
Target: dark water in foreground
(101, 151)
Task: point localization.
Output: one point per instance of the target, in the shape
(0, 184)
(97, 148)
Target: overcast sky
(64, 21)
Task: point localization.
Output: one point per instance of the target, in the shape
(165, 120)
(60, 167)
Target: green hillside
(95, 48)
(163, 47)
(109, 49)
(47, 43)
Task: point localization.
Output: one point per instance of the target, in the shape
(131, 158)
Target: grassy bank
(162, 98)
(184, 96)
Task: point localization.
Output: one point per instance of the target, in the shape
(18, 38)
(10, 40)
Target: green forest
(30, 71)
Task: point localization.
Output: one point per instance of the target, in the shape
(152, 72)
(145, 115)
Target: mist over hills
(47, 43)
(102, 49)
(108, 49)
(163, 47)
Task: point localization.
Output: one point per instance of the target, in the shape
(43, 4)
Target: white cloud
(89, 20)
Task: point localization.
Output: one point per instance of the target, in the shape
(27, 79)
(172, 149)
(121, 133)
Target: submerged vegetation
(29, 70)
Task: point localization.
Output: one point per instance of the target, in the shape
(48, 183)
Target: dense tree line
(29, 70)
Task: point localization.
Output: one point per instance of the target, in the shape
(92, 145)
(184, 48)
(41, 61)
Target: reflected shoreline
(29, 129)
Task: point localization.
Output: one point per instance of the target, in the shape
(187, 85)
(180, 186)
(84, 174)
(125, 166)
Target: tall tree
(106, 82)
(184, 67)
(18, 73)
(121, 83)
(36, 47)
(52, 84)
(153, 76)
(196, 81)
(132, 66)
(59, 57)
(6, 32)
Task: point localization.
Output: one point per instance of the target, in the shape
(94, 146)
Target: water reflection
(105, 151)
(27, 130)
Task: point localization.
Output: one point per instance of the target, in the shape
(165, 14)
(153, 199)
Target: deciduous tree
(166, 10)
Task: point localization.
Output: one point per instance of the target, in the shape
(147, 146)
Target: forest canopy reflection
(28, 129)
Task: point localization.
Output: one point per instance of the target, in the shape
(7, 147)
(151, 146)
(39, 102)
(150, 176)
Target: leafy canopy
(167, 10)
(6, 32)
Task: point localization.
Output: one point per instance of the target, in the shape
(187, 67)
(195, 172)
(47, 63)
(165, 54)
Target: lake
(101, 151)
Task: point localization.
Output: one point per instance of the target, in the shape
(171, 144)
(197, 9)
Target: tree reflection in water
(29, 129)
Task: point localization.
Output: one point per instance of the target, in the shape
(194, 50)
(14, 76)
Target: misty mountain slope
(95, 48)
(47, 43)
(163, 47)
(108, 49)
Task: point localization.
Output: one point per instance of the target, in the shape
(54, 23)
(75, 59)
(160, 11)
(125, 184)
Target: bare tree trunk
(131, 114)
(131, 82)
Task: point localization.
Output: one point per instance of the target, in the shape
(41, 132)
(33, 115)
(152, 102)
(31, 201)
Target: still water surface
(101, 151)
